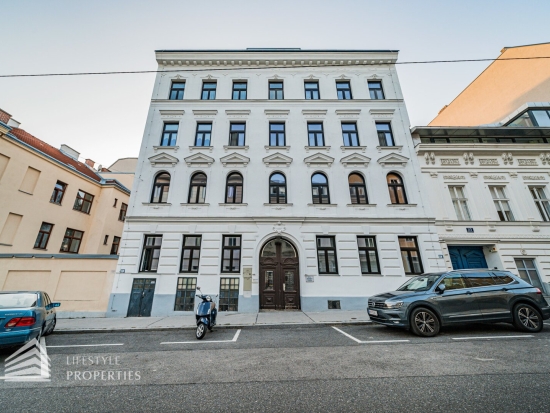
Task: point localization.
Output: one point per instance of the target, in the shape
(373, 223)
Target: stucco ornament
(508, 159)
(278, 227)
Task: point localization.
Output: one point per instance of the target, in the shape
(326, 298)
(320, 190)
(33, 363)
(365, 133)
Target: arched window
(357, 189)
(160, 188)
(397, 189)
(197, 189)
(319, 189)
(277, 188)
(234, 189)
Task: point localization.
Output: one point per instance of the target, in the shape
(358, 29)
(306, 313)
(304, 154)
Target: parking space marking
(369, 341)
(87, 345)
(491, 337)
(234, 340)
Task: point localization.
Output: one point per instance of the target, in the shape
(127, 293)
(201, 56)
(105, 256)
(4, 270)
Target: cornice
(481, 148)
(273, 103)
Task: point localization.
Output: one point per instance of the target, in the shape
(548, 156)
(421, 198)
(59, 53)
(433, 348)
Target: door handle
(468, 292)
(505, 289)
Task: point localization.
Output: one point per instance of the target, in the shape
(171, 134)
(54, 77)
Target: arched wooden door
(279, 276)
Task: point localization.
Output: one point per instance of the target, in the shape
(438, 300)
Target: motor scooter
(206, 314)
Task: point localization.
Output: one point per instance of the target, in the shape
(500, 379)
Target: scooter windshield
(203, 308)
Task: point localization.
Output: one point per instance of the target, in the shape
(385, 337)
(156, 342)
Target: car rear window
(18, 300)
(502, 278)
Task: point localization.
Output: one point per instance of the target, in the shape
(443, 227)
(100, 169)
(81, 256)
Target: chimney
(90, 163)
(4, 117)
(67, 150)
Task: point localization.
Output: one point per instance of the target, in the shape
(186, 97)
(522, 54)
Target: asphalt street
(490, 368)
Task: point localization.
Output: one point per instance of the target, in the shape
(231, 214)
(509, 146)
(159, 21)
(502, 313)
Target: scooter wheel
(201, 331)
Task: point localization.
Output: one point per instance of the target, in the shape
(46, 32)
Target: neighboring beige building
(60, 221)
(501, 89)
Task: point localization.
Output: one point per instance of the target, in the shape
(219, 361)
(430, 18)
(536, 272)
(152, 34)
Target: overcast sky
(103, 116)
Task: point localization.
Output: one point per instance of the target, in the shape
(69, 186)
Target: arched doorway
(279, 275)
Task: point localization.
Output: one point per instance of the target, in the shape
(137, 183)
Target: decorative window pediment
(355, 159)
(393, 159)
(163, 159)
(319, 159)
(199, 160)
(277, 159)
(235, 159)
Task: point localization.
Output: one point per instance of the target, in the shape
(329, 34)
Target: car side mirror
(440, 288)
(56, 305)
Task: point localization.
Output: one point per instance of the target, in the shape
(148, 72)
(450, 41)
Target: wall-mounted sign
(469, 230)
(309, 278)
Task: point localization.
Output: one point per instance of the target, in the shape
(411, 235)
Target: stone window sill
(401, 205)
(201, 148)
(397, 148)
(157, 204)
(194, 205)
(28, 193)
(317, 148)
(235, 148)
(235, 205)
(277, 148)
(360, 205)
(322, 205)
(280, 205)
(353, 148)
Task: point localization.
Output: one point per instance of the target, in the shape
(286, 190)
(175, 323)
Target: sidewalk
(266, 319)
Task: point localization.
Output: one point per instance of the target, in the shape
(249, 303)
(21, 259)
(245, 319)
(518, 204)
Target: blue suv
(426, 302)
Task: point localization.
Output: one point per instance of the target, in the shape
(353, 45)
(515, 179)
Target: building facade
(60, 222)
(275, 179)
(521, 74)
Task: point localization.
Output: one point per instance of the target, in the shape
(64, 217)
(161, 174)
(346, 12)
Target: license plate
(373, 312)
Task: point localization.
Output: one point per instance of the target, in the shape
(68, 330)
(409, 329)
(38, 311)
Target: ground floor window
(229, 294)
(410, 254)
(326, 255)
(185, 294)
(528, 272)
(368, 256)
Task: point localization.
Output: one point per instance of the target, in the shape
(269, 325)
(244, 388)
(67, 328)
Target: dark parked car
(25, 315)
(427, 302)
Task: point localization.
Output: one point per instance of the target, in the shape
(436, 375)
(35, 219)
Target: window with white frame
(502, 203)
(541, 201)
(528, 272)
(460, 203)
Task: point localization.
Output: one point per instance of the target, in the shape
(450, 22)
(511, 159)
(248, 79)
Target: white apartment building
(276, 179)
(489, 186)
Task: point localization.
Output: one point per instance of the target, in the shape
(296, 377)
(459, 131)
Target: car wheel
(51, 328)
(201, 331)
(424, 322)
(527, 318)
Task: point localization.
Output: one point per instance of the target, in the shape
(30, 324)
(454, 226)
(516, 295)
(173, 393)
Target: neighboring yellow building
(61, 221)
(502, 88)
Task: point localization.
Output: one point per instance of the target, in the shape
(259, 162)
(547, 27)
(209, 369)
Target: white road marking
(369, 341)
(490, 337)
(87, 345)
(233, 340)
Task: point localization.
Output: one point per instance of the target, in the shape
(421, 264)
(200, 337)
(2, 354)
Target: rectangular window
(541, 201)
(83, 202)
(344, 90)
(368, 255)
(185, 294)
(460, 203)
(277, 134)
(43, 236)
(410, 255)
(501, 203)
(169, 134)
(528, 272)
(239, 90)
(11, 225)
(208, 91)
(326, 255)
(4, 160)
(115, 245)
(114, 204)
(385, 135)
(276, 90)
(229, 294)
(203, 135)
(375, 90)
(58, 192)
(177, 90)
(151, 253)
(71, 241)
(237, 134)
(105, 240)
(349, 134)
(315, 134)
(231, 253)
(191, 254)
(30, 180)
(312, 90)
(122, 212)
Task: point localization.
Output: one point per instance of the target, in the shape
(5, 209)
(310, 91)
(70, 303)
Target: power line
(420, 62)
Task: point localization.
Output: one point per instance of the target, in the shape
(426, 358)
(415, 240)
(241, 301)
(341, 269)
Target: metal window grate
(334, 304)
(185, 294)
(229, 294)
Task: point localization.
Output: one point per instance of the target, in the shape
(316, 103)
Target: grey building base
(317, 304)
(80, 314)
(163, 305)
